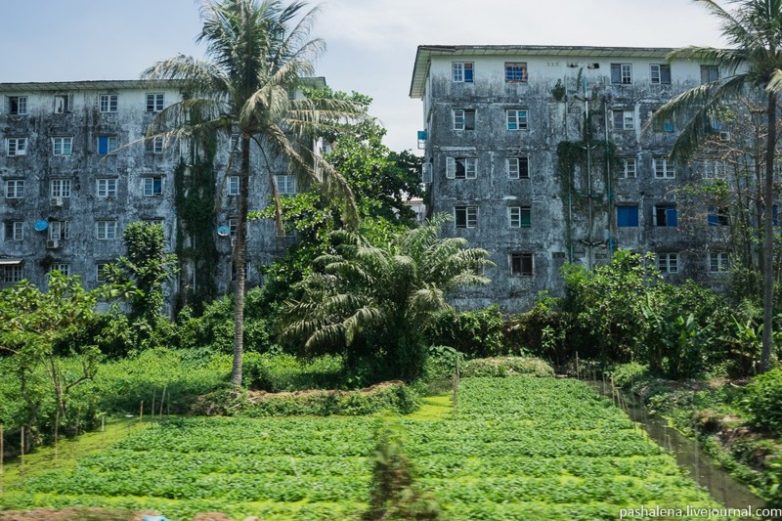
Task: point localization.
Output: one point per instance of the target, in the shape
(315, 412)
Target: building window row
(464, 119)
(105, 144)
(63, 103)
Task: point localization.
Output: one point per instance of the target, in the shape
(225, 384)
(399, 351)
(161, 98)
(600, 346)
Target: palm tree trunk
(240, 263)
(768, 240)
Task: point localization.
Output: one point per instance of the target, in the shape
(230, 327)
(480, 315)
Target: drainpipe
(588, 139)
(609, 183)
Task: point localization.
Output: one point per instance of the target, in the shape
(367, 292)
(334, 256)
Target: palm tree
(372, 302)
(259, 55)
(753, 64)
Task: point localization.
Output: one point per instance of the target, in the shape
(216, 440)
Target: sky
(371, 44)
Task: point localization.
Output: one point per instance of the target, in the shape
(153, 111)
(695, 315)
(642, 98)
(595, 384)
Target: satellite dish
(41, 225)
(223, 230)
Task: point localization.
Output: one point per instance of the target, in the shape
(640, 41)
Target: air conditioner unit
(56, 202)
(724, 136)
(52, 244)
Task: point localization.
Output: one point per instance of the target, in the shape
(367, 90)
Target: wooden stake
(21, 444)
(2, 458)
(103, 423)
(162, 400)
(141, 412)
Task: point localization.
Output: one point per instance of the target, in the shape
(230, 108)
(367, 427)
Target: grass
(515, 448)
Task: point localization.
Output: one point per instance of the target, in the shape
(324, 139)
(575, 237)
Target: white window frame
(21, 104)
(13, 148)
(17, 231)
(148, 185)
(233, 225)
(718, 262)
(514, 216)
(668, 262)
(62, 146)
(517, 118)
(108, 103)
(106, 230)
(470, 167)
(156, 101)
(12, 274)
(656, 78)
(232, 185)
(513, 167)
(106, 187)
(62, 267)
(714, 169)
(99, 267)
(111, 145)
(59, 230)
(663, 168)
(62, 103)
(457, 71)
(629, 168)
(628, 120)
(286, 184)
(60, 187)
(154, 145)
(460, 119)
(471, 216)
(522, 66)
(14, 188)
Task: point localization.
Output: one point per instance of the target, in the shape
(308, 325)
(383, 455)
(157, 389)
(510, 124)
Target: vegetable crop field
(517, 448)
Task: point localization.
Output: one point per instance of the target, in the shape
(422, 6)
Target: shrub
(625, 375)
(540, 331)
(507, 366)
(441, 363)
(477, 333)
(764, 401)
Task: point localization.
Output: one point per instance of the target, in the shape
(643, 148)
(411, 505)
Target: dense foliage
(764, 401)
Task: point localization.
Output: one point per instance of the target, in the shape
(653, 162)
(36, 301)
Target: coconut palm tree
(753, 63)
(258, 57)
(373, 302)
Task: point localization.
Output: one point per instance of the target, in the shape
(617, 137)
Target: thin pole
(141, 412)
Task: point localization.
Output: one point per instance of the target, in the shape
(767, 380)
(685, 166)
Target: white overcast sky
(371, 43)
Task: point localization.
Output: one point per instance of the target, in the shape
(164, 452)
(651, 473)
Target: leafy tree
(139, 275)
(32, 324)
(753, 28)
(260, 55)
(371, 301)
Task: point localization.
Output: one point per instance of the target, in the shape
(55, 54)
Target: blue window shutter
(671, 217)
(627, 216)
(468, 74)
(712, 217)
(103, 145)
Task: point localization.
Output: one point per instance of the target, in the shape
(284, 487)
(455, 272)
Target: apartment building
(75, 170)
(545, 155)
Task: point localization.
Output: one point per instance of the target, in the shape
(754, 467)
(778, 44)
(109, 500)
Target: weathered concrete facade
(544, 155)
(75, 170)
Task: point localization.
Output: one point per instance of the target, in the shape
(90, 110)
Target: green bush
(390, 396)
(764, 401)
(477, 333)
(507, 366)
(439, 368)
(541, 331)
(625, 375)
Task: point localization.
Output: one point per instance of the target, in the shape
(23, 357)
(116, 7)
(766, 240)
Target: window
(60, 188)
(16, 146)
(233, 224)
(628, 168)
(519, 216)
(517, 167)
(663, 168)
(714, 168)
(521, 264)
(668, 262)
(233, 185)
(14, 230)
(668, 126)
(462, 72)
(17, 105)
(464, 119)
(718, 262)
(624, 120)
(461, 167)
(627, 216)
(62, 267)
(622, 73)
(108, 103)
(154, 145)
(106, 187)
(466, 216)
(286, 184)
(661, 74)
(718, 216)
(106, 145)
(709, 73)
(14, 188)
(59, 230)
(665, 216)
(155, 102)
(100, 271)
(62, 103)
(517, 119)
(62, 146)
(515, 72)
(12, 274)
(106, 230)
(152, 185)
